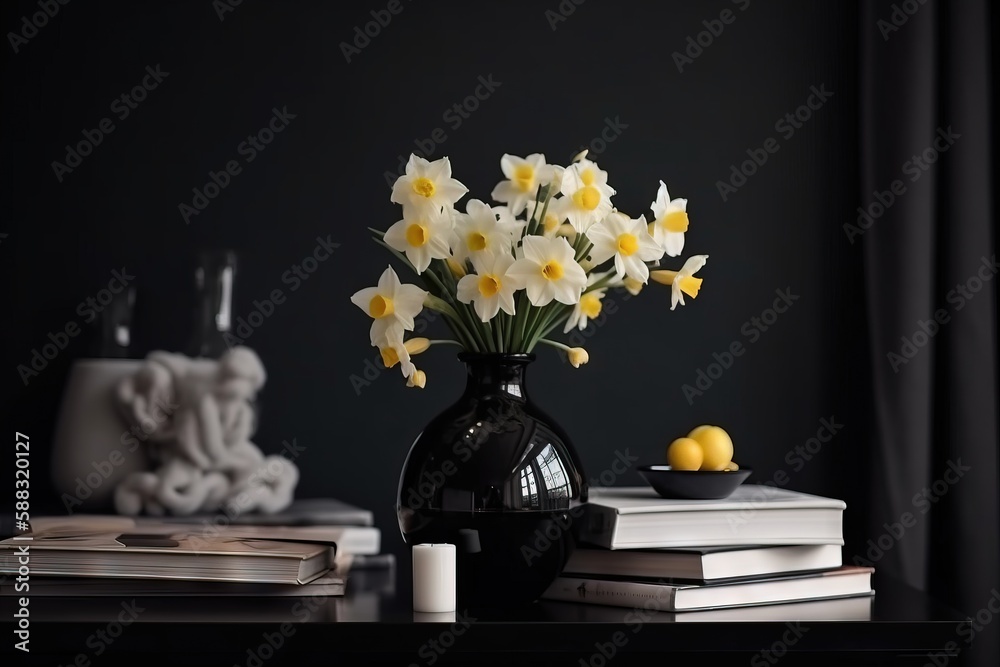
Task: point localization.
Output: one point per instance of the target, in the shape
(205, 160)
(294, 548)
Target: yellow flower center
(675, 221)
(551, 223)
(690, 285)
(381, 306)
(489, 285)
(552, 270)
(389, 356)
(587, 197)
(477, 241)
(524, 178)
(590, 305)
(628, 244)
(588, 176)
(424, 186)
(417, 235)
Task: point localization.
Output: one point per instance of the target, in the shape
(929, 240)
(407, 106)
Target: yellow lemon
(716, 445)
(684, 454)
(731, 466)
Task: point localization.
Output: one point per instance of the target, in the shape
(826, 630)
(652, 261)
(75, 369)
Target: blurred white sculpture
(200, 443)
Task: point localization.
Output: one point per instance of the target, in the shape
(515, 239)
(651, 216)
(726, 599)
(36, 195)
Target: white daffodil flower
(683, 281)
(427, 185)
(587, 194)
(490, 289)
(628, 241)
(418, 379)
(483, 232)
(423, 234)
(554, 215)
(670, 221)
(524, 175)
(391, 304)
(588, 308)
(395, 351)
(547, 269)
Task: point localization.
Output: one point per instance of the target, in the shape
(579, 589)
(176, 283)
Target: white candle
(434, 577)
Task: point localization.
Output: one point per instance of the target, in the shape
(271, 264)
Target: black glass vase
(498, 478)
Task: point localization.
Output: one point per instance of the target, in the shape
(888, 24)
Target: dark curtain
(930, 272)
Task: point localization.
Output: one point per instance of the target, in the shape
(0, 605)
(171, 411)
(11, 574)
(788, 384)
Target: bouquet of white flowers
(506, 276)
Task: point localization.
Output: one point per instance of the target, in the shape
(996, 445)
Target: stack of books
(762, 545)
(309, 549)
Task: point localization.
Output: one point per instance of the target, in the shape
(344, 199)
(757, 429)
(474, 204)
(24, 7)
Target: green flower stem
(555, 344)
(559, 313)
(445, 341)
(537, 317)
(562, 317)
(601, 282)
(532, 225)
(584, 250)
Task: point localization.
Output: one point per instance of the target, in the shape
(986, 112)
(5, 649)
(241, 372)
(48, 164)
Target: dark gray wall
(324, 175)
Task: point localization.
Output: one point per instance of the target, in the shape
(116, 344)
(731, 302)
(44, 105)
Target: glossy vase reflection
(498, 478)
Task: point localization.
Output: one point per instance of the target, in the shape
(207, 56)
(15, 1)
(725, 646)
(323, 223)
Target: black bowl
(693, 484)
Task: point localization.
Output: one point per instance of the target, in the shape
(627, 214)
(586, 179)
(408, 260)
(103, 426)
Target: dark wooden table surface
(374, 624)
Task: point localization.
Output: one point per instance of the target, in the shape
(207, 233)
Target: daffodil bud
(417, 345)
(578, 356)
(417, 379)
(456, 269)
(579, 156)
(586, 264)
(663, 276)
(632, 285)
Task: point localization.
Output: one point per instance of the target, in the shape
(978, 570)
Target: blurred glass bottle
(214, 277)
(114, 340)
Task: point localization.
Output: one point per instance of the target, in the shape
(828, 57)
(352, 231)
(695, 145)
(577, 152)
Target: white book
(845, 581)
(855, 608)
(704, 563)
(638, 518)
